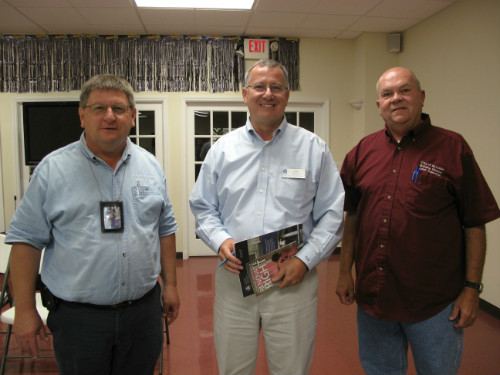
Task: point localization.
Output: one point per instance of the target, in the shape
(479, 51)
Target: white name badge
(293, 173)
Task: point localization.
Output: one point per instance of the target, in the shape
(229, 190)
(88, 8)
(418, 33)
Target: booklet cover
(254, 248)
(262, 270)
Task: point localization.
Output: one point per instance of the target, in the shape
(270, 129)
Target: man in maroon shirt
(416, 207)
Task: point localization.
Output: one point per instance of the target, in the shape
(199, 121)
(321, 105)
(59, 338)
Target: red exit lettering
(257, 45)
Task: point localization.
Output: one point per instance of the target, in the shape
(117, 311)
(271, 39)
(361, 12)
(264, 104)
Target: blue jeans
(436, 345)
(124, 341)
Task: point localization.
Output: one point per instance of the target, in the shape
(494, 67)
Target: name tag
(293, 173)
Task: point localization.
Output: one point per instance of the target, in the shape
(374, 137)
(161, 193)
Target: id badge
(111, 216)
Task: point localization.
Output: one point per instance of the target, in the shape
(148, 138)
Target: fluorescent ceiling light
(196, 4)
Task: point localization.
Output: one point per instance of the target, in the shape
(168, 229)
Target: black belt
(109, 307)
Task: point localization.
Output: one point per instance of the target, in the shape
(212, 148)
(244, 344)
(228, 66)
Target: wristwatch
(477, 286)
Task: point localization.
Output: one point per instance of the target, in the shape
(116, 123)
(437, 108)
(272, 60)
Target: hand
(345, 289)
(232, 264)
(27, 325)
(171, 303)
(291, 273)
(465, 308)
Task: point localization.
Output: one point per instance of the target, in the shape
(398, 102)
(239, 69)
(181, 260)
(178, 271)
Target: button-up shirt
(413, 200)
(248, 187)
(60, 212)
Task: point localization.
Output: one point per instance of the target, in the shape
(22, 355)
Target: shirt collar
(424, 124)
(90, 155)
(251, 131)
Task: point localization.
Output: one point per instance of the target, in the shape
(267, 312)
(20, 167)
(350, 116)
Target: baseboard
(489, 308)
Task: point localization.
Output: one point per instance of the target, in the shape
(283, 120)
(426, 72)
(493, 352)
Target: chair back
(4, 253)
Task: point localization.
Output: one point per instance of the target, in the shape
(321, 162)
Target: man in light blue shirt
(257, 179)
(100, 209)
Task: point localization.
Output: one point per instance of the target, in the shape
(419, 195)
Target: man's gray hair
(270, 64)
(107, 82)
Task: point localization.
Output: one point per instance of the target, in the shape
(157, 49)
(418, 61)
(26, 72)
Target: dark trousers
(102, 341)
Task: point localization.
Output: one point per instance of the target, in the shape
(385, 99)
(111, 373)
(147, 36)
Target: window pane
(202, 123)
(201, 147)
(238, 119)
(307, 120)
(147, 123)
(148, 144)
(291, 117)
(197, 168)
(221, 123)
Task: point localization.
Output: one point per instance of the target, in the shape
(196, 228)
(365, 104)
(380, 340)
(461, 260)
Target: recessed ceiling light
(196, 4)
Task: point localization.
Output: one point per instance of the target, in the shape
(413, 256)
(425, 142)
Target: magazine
(261, 270)
(254, 248)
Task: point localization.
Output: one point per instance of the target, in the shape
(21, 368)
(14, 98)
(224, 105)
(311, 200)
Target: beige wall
(455, 54)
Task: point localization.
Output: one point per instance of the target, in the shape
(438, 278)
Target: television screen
(48, 126)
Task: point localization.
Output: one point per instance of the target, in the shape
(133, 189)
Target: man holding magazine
(257, 179)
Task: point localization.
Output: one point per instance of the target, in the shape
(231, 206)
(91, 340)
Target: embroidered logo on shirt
(431, 168)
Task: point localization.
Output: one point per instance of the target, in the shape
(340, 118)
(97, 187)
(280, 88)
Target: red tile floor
(191, 350)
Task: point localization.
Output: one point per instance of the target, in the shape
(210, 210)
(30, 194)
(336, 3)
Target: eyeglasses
(101, 109)
(275, 89)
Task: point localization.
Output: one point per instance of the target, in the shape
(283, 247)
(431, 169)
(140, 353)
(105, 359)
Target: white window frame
(319, 106)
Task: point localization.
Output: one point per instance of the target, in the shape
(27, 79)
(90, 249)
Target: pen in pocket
(416, 172)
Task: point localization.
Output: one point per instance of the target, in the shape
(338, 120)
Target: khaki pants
(287, 318)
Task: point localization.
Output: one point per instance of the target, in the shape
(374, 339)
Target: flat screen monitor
(48, 126)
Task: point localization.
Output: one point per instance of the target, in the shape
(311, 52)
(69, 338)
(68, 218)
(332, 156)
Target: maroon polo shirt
(413, 201)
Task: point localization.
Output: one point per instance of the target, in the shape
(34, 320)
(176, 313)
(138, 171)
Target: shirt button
(381, 268)
(382, 246)
(123, 284)
(263, 169)
(261, 190)
(399, 148)
(124, 255)
(259, 213)
(393, 171)
(389, 196)
(385, 220)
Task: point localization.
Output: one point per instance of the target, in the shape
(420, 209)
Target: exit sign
(256, 49)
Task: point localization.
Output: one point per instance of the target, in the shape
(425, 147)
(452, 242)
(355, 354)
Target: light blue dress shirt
(60, 212)
(248, 187)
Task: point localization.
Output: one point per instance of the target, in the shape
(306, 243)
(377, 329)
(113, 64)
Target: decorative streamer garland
(149, 63)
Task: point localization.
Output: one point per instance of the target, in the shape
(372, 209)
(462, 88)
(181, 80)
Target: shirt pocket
(291, 191)
(429, 195)
(147, 200)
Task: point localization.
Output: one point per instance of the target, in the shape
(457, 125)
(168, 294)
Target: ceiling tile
(167, 17)
(64, 16)
(10, 16)
(328, 21)
(379, 24)
(102, 3)
(221, 18)
(275, 19)
(318, 33)
(408, 9)
(112, 16)
(299, 6)
(346, 7)
(40, 3)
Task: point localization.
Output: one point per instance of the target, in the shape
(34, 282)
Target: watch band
(477, 286)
